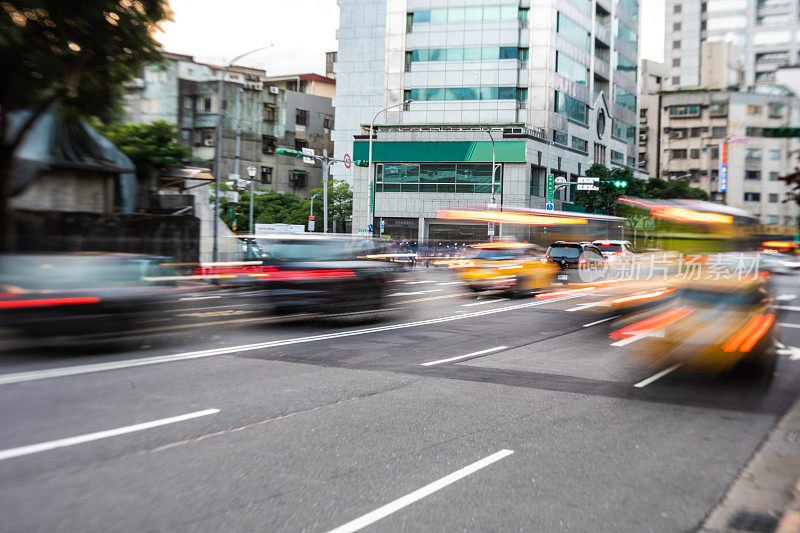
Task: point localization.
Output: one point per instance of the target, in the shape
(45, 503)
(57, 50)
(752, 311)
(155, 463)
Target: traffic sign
(371, 228)
(383, 226)
(561, 180)
(550, 206)
(587, 187)
(308, 152)
(550, 187)
(584, 179)
(311, 223)
(491, 229)
(347, 161)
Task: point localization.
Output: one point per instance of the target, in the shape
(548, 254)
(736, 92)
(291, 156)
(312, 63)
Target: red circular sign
(347, 160)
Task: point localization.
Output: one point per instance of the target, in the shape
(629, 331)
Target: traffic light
(361, 162)
(290, 153)
(620, 184)
(781, 133)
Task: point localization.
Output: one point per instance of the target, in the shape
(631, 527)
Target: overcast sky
(299, 32)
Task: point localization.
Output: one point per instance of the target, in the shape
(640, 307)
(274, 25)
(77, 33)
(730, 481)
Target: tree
(271, 207)
(75, 54)
(150, 146)
(792, 181)
(604, 201)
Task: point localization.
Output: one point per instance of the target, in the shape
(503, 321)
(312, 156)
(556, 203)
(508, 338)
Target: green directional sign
(290, 153)
(551, 187)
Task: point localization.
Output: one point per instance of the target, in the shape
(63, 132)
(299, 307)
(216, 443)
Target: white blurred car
(779, 263)
(615, 250)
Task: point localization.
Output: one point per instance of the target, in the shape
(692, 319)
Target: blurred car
(45, 295)
(310, 273)
(779, 263)
(712, 327)
(577, 261)
(612, 249)
(516, 268)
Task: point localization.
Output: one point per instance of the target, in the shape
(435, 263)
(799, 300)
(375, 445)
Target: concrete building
(701, 130)
(557, 81)
(766, 32)
(183, 91)
(652, 82)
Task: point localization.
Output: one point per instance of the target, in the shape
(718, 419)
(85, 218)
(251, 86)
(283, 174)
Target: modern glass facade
(462, 93)
(461, 14)
(465, 54)
(571, 108)
(573, 32)
(571, 69)
(436, 177)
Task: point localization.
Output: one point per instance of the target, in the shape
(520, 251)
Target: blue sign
(723, 177)
(371, 228)
(383, 226)
(550, 206)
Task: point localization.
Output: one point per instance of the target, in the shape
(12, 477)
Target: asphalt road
(451, 412)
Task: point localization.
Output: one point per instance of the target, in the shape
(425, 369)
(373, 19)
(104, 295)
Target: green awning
(441, 152)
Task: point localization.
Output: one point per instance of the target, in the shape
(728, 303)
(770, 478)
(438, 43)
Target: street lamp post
(251, 171)
(369, 165)
(494, 168)
(218, 163)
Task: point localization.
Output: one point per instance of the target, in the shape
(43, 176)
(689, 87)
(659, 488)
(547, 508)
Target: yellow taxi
(711, 327)
(516, 268)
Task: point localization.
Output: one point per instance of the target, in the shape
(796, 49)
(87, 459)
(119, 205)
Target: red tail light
(45, 302)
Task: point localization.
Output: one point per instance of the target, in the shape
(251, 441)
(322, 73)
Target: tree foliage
(792, 181)
(150, 146)
(604, 201)
(271, 207)
(75, 54)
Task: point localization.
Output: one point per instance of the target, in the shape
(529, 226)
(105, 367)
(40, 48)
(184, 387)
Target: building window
(772, 219)
(678, 153)
(676, 80)
(269, 113)
(624, 98)
(461, 14)
(466, 54)
(676, 62)
(754, 109)
(560, 137)
(462, 93)
(207, 105)
(301, 118)
(714, 153)
(719, 132)
(571, 69)
(573, 32)
(267, 144)
(580, 144)
(676, 26)
(625, 66)
(676, 8)
(694, 153)
(752, 153)
(327, 123)
(775, 110)
(299, 144)
(754, 175)
(678, 111)
(536, 180)
(775, 155)
(752, 197)
(676, 45)
(437, 177)
(266, 175)
(694, 132)
(623, 131)
(617, 157)
(773, 176)
(773, 199)
(718, 110)
(298, 179)
(571, 108)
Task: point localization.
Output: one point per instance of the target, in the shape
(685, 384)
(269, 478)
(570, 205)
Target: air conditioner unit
(274, 90)
(208, 142)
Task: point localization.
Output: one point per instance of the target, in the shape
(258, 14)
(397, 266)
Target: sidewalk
(766, 494)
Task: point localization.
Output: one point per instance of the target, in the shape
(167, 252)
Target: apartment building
(766, 31)
(556, 82)
(704, 131)
(271, 113)
(652, 82)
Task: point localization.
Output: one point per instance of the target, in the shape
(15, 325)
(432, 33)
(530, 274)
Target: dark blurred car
(577, 261)
(45, 295)
(309, 273)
